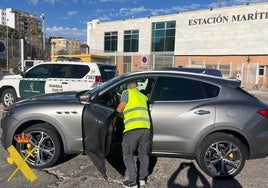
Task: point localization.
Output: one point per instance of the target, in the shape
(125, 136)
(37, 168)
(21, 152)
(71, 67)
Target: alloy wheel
(223, 158)
(45, 148)
(8, 99)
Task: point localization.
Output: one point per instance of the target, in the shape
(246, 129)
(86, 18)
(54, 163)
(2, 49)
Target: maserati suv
(194, 116)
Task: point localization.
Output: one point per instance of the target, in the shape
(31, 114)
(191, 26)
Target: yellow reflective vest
(136, 114)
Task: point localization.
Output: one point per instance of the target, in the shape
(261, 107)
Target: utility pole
(7, 46)
(43, 32)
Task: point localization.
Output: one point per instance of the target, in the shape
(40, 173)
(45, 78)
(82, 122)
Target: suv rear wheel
(221, 155)
(48, 146)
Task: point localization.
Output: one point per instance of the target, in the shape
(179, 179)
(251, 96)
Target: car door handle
(64, 82)
(202, 112)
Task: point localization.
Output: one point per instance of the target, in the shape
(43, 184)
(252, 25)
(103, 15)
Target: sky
(68, 18)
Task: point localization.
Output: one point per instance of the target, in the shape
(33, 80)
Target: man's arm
(123, 102)
(121, 107)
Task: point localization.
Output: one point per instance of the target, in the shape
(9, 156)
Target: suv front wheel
(47, 143)
(8, 97)
(221, 155)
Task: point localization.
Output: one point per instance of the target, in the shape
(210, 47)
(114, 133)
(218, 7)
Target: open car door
(98, 133)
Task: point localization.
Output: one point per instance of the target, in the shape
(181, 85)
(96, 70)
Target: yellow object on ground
(16, 158)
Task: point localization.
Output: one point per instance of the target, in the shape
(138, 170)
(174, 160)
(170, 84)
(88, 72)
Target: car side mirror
(23, 74)
(84, 99)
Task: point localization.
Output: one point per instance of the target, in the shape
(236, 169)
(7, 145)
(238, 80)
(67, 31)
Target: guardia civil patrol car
(53, 77)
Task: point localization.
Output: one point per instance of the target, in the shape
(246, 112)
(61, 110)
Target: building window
(163, 60)
(163, 36)
(262, 70)
(127, 60)
(110, 41)
(131, 41)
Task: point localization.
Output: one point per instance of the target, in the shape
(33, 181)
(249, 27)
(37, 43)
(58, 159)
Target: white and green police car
(53, 77)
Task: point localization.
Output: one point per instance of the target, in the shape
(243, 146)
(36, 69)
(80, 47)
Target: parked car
(53, 77)
(194, 116)
(26, 65)
(213, 72)
(64, 58)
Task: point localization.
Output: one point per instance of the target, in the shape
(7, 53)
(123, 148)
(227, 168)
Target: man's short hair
(132, 84)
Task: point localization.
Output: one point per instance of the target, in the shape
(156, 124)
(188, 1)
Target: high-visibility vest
(136, 115)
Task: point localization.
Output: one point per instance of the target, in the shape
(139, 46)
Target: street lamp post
(43, 32)
(7, 49)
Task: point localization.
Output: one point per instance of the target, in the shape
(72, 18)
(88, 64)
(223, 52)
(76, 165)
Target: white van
(30, 63)
(26, 65)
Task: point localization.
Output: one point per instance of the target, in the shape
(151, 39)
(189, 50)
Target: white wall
(218, 33)
(247, 34)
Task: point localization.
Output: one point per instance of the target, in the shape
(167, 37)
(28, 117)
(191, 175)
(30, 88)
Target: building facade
(27, 24)
(62, 46)
(231, 39)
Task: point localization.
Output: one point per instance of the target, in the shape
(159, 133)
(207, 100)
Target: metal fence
(250, 76)
(12, 53)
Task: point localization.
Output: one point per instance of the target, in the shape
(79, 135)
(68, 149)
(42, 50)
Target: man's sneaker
(127, 184)
(142, 182)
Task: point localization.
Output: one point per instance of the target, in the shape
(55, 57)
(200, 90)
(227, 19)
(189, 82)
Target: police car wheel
(8, 97)
(48, 146)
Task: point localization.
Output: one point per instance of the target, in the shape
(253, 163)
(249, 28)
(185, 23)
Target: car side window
(107, 72)
(59, 71)
(68, 71)
(40, 71)
(181, 89)
(112, 97)
(79, 71)
(29, 64)
(211, 90)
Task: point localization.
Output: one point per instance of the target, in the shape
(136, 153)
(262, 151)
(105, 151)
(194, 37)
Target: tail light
(263, 112)
(98, 79)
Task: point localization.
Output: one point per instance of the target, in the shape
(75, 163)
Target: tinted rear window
(179, 89)
(29, 63)
(107, 71)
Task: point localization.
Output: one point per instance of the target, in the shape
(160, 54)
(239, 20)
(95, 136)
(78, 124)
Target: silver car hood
(63, 97)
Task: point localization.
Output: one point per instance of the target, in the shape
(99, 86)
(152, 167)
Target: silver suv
(206, 118)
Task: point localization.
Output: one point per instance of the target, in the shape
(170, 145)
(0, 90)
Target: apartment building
(28, 25)
(61, 46)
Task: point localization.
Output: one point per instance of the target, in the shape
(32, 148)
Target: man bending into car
(133, 107)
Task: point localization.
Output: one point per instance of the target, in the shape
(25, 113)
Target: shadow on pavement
(193, 175)
(230, 182)
(65, 158)
(116, 160)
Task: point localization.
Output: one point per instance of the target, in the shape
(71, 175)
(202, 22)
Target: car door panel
(34, 81)
(173, 122)
(97, 133)
(30, 87)
(55, 85)
(180, 110)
